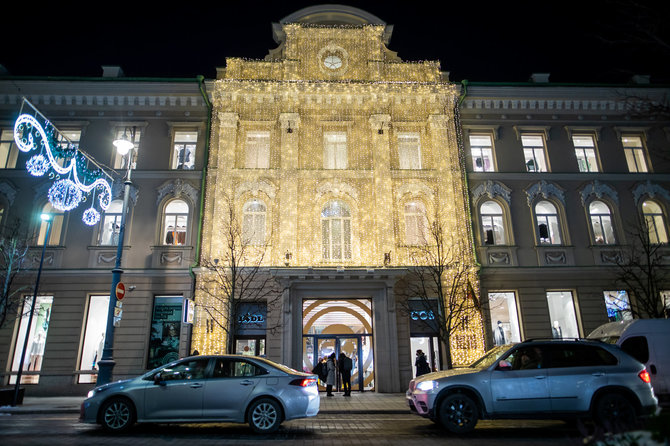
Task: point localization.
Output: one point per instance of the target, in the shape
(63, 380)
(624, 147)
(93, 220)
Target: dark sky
(585, 41)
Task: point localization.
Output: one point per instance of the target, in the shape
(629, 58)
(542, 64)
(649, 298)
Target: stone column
(383, 188)
(288, 187)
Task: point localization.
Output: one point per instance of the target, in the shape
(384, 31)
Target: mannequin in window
(544, 233)
(181, 235)
(98, 352)
(36, 351)
(478, 163)
(530, 165)
(170, 235)
(489, 237)
(556, 331)
(115, 233)
(181, 153)
(499, 334)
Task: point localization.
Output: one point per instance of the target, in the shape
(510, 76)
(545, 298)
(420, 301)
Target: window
(504, 318)
(562, 314)
(601, 223)
(634, 151)
(176, 223)
(165, 328)
(57, 219)
(335, 150)
(567, 355)
(548, 229)
(253, 225)
(637, 347)
(655, 220)
(493, 229)
(617, 305)
(533, 152)
(188, 369)
(183, 150)
(336, 231)
(481, 150)
(257, 150)
(37, 338)
(120, 161)
(9, 153)
(409, 150)
(111, 224)
(94, 336)
(527, 358)
(585, 150)
(232, 368)
(68, 139)
(416, 223)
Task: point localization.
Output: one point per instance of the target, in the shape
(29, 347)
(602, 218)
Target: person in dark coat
(345, 364)
(332, 370)
(421, 363)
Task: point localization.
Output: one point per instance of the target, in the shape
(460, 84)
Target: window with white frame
(601, 223)
(175, 223)
(336, 231)
(585, 150)
(253, 225)
(94, 337)
(481, 151)
(504, 318)
(562, 314)
(548, 228)
(257, 150)
(617, 305)
(111, 224)
(119, 160)
(55, 234)
(634, 151)
(655, 220)
(409, 150)
(416, 231)
(335, 150)
(534, 153)
(183, 149)
(9, 153)
(493, 228)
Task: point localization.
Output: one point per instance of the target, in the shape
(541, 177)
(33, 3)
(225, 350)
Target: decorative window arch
(110, 224)
(175, 226)
(57, 225)
(254, 214)
(602, 225)
(336, 231)
(416, 223)
(547, 221)
(492, 219)
(655, 219)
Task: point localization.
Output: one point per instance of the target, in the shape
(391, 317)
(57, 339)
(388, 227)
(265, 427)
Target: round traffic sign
(120, 291)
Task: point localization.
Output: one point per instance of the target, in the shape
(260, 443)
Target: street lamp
(45, 218)
(124, 147)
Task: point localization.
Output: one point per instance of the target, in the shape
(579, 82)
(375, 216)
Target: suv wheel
(614, 411)
(458, 413)
(117, 415)
(265, 416)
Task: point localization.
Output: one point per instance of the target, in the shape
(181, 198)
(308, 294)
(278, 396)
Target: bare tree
(235, 277)
(439, 272)
(14, 246)
(643, 270)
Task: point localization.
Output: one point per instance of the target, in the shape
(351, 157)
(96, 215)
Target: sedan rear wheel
(614, 412)
(265, 416)
(458, 413)
(117, 415)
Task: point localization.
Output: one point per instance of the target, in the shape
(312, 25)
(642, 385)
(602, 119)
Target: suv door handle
(196, 386)
(540, 376)
(598, 373)
(246, 382)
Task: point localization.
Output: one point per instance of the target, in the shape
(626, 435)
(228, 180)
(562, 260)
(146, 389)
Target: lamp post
(48, 219)
(125, 147)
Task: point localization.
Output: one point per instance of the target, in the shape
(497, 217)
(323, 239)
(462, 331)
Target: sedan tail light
(644, 376)
(303, 382)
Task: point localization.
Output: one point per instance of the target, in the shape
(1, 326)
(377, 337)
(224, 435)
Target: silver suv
(538, 379)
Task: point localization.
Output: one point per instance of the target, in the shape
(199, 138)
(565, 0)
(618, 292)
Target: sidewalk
(367, 402)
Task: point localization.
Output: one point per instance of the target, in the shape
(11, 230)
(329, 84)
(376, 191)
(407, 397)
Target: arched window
(57, 218)
(415, 223)
(175, 223)
(655, 220)
(601, 223)
(253, 225)
(336, 231)
(111, 224)
(548, 229)
(493, 228)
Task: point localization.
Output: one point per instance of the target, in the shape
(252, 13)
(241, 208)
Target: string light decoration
(69, 168)
(371, 97)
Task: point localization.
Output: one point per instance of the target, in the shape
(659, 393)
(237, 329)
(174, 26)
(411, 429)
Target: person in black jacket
(344, 365)
(421, 363)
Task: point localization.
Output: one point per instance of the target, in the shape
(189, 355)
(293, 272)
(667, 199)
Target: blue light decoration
(74, 181)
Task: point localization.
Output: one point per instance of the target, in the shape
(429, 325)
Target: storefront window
(617, 305)
(37, 337)
(94, 337)
(504, 318)
(250, 327)
(165, 328)
(562, 314)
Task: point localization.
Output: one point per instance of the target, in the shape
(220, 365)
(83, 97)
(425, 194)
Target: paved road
(323, 430)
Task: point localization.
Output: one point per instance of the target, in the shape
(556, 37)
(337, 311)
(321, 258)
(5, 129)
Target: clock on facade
(332, 62)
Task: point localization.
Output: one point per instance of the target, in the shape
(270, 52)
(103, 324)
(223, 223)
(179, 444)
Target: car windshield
(490, 357)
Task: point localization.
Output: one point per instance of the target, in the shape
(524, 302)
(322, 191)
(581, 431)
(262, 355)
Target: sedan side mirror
(504, 365)
(158, 379)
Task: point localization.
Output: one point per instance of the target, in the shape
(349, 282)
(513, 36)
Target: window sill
(171, 256)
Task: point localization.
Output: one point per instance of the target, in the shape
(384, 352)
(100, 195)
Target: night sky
(601, 41)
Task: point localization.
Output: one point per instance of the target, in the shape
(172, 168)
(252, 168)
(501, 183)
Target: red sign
(120, 291)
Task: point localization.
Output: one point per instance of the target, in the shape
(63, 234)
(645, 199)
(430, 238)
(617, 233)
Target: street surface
(323, 430)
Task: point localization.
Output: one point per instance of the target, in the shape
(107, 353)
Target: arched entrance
(340, 325)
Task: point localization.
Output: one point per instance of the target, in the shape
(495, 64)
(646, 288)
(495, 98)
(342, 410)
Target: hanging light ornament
(38, 165)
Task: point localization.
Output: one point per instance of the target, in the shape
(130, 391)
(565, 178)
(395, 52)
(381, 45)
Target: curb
(327, 412)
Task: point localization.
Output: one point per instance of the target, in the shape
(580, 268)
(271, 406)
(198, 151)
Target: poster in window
(165, 328)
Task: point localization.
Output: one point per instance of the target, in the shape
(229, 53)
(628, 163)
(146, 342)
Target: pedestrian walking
(345, 364)
(332, 371)
(421, 363)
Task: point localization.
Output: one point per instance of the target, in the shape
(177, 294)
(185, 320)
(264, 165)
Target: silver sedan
(206, 389)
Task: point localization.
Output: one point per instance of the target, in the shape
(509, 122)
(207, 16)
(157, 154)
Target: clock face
(333, 62)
